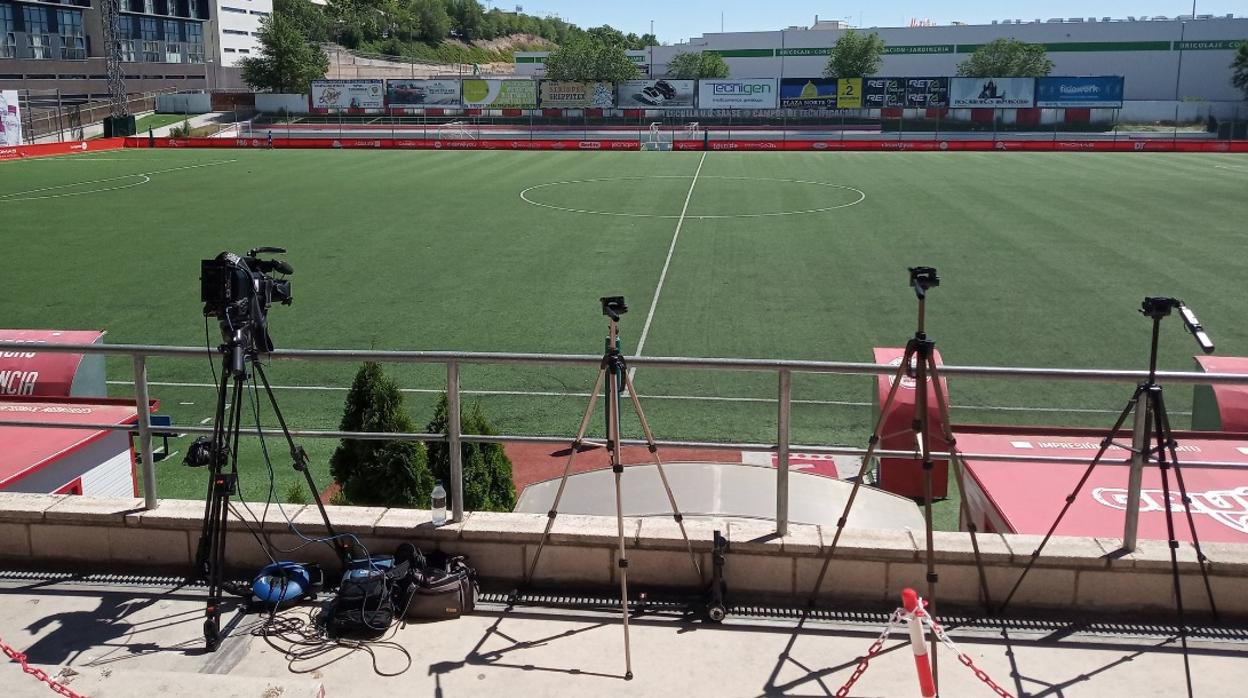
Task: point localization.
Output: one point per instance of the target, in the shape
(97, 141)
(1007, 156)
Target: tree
(692, 66)
(380, 473)
(588, 60)
(855, 55)
(609, 35)
(467, 19)
(435, 23)
(487, 469)
(307, 18)
(1007, 58)
(1239, 69)
(287, 62)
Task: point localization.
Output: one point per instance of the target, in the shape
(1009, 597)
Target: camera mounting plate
(923, 278)
(613, 306)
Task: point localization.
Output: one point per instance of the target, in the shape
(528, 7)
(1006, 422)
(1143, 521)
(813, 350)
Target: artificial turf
(1045, 258)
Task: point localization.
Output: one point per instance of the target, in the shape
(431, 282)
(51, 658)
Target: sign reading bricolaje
(1104, 91)
(422, 93)
(555, 93)
(658, 94)
(758, 93)
(500, 94)
(995, 93)
(924, 93)
(883, 93)
(808, 93)
(348, 94)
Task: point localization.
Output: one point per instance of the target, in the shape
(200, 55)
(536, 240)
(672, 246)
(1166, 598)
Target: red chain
(966, 659)
(875, 649)
(37, 673)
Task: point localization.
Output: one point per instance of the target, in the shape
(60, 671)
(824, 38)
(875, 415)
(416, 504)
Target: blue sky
(677, 20)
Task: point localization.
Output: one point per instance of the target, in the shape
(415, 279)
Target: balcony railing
(782, 370)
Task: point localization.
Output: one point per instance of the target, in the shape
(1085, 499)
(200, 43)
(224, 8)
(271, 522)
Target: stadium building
(167, 45)
(1161, 58)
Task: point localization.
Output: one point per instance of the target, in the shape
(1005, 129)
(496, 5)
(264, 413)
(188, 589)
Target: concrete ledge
(1073, 574)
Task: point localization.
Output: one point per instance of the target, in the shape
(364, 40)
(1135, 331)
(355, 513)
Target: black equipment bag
(365, 605)
(439, 586)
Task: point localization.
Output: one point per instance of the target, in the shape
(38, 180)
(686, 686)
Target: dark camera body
(238, 290)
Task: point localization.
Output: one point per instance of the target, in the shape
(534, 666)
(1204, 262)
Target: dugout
(27, 373)
(1220, 407)
(48, 460)
(1026, 496)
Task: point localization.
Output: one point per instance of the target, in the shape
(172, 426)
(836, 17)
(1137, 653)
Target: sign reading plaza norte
(348, 94)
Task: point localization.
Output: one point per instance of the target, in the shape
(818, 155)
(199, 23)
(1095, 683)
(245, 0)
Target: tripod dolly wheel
(716, 612)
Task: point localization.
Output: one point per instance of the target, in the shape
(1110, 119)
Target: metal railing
(453, 361)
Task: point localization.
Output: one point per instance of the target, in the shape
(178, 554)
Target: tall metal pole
(1178, 75)
(453, 441)
(783, 430)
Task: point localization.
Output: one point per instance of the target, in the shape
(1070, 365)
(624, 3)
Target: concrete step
(111, 682)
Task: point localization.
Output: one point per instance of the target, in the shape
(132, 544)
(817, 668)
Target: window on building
(151, 39)
(36, 21)
(127, 50)
(260, 14)
(194, 42)
(149, 6)
(173, 41)
(227, 8)
(73, 39)
(235, 32)
(244, 50)
(229, 50)
(8, 32)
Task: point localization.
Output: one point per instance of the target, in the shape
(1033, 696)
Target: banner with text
(883, 93)
(10, 119)
(500, 94)
(808, 93)
(849, 93)
(757, 93)
(1103, 91)
(923, 93)
(422, 93)
(658, 94)
(993, 93)
(348, 94)
(575, 95)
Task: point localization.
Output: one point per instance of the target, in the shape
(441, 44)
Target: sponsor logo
(1088, 89)
(590, 145)
(18, 382)
(1227, 507)
(8, 152)
(740, 88)
(768, 145)
(336, 144)
(724, 146)
(1140, 145)
(820, 146)
(558, 145)
(944, 145)
(407, 144)
(908, 379)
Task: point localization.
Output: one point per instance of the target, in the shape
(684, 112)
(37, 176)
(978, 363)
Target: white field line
(667, 263)
(686, 398)
(136, 175)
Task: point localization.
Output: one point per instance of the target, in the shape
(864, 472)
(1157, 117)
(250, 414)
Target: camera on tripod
(613, 307)
(1156, 308)
(238, 290)
(923, 278)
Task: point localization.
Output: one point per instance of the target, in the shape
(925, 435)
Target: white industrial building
(238, 28)
(1162, 59)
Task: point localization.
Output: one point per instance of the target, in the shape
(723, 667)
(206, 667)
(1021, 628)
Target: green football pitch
(1044, 257)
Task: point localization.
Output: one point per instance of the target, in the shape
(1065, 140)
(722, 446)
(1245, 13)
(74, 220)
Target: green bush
(297, 493)
(379, 473)
(487, 469)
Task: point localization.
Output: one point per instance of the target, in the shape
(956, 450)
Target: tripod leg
(567, 470)
(223, 485)
(613, 372)
(924, 349)
(1164, 442)
(1070, 499)
(218, 438)
(300, 459)
(623, 563)
(1163, 418)
(658, 463)
(872, 445)
(955, 461)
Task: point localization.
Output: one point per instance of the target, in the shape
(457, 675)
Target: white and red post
(914, 620)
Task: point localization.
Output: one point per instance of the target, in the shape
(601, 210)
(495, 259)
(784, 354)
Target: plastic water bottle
(439, 504)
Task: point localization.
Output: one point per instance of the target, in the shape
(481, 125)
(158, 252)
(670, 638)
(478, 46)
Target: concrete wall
(195, 103)
(237, 27)
(275, 104)
(1074, 574)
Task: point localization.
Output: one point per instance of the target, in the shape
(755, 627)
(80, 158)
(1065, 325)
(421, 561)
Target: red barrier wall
(1124, 146)
(65, 148)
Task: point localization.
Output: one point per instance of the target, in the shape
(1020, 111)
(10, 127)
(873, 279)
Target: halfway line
(654, 302)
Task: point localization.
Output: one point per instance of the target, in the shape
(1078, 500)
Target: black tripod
(918, 363)
(614, 372)
(1154, 439)
(238, 354)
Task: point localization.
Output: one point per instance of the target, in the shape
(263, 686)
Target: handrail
(454, 360)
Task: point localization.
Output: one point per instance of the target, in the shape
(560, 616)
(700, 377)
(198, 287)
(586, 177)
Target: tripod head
(613, 307)
(923, 278)
(1156, 308)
